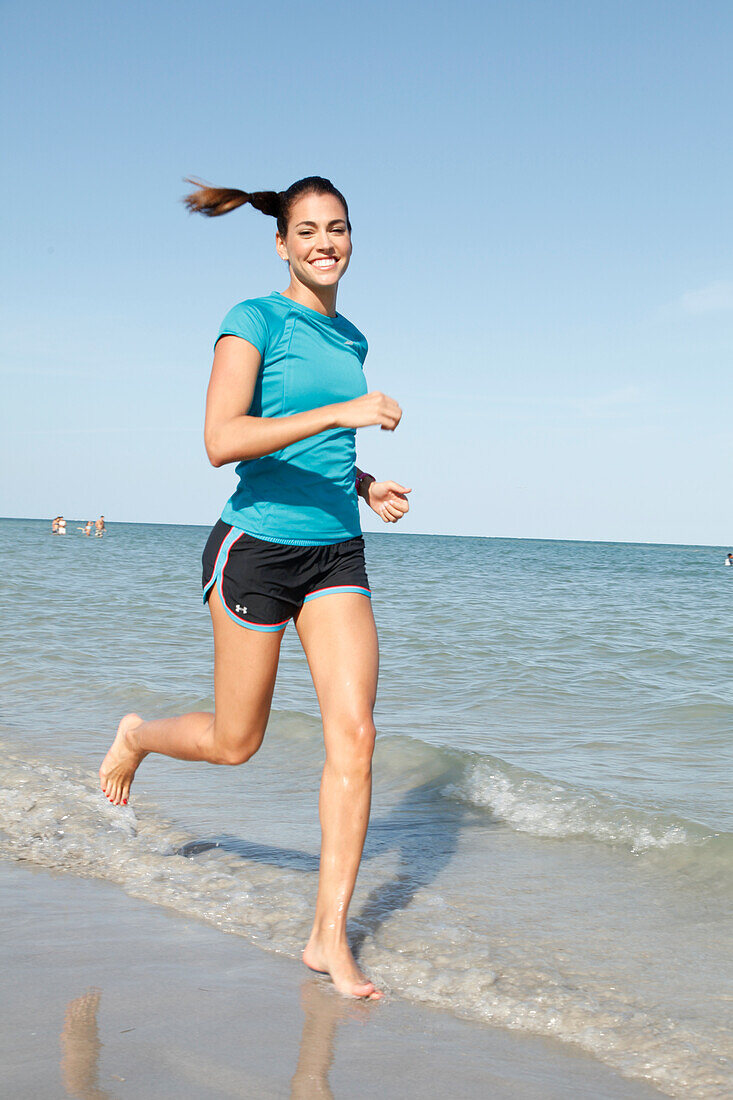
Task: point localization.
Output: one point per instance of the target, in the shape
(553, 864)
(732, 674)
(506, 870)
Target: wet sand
(106, 997)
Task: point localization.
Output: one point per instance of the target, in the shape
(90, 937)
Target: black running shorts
(263, 584)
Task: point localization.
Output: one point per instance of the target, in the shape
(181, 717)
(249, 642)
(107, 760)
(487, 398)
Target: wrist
(332, 416)
(363, 481)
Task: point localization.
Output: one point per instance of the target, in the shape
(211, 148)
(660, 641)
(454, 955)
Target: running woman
(286, 395)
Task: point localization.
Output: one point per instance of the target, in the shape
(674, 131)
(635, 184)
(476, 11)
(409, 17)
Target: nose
(323, 244)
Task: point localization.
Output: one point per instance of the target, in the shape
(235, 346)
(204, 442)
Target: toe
(363, 989)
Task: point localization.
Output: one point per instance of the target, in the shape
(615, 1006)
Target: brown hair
(214, 201)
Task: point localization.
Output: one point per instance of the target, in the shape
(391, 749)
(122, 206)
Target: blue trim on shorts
(337, 588)
(226, 545)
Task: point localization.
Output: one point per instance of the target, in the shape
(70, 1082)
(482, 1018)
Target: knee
(236, 749)
(355, 744)
(235, 754)
(364, 738)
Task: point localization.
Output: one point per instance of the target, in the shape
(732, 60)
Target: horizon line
(409, 534)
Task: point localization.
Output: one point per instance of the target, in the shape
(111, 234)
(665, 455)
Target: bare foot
(121, 762)
(336, 960)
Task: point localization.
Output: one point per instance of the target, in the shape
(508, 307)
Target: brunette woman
(286, 395)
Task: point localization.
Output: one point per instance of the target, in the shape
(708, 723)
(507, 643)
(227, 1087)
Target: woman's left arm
(386, 498)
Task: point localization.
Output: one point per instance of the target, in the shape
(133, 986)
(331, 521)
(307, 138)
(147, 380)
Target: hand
(372, 408)
(388, 500)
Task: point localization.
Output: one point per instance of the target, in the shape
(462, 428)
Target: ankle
(328, 934)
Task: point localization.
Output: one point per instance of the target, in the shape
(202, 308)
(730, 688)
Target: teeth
(324, 263)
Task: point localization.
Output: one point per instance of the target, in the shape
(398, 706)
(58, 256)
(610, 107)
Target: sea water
(551, 841)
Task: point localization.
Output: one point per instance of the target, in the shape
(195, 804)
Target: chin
(325, 280)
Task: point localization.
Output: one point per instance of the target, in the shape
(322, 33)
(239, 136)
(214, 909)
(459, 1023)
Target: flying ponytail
(215, 201)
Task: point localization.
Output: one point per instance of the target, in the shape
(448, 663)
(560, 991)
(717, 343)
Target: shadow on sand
(423, 828)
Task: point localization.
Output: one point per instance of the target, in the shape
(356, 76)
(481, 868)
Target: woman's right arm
(231, 435)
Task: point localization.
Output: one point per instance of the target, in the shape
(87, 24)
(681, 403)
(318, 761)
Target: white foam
(543, 808)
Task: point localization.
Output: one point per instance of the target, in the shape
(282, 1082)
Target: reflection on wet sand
(80, 1047)
(324, 1009)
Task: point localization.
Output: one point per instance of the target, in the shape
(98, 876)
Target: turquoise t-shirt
(305, 494)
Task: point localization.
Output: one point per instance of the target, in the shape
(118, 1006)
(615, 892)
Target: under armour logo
(240, 610)
(350, 343)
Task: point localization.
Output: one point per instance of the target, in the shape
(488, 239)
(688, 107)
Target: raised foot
(338, 962)
(121, 762)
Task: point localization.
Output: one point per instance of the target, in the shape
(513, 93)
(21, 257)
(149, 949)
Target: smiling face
(317, 244)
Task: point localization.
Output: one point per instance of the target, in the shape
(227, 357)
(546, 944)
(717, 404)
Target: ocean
(551, 841)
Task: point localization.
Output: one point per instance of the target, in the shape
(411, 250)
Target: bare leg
(245, 666)
(340, 641)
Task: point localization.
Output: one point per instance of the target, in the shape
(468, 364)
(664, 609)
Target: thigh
(339, 638)
(245, 668)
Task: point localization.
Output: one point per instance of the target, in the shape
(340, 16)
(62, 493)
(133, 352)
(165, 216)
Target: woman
(286, 394)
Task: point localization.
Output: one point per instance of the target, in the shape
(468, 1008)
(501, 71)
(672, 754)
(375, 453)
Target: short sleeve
(246, 320)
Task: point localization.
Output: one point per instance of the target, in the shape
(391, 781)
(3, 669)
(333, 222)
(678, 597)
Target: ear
(281, 249)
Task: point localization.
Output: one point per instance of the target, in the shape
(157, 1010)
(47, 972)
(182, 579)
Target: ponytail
(215, 201)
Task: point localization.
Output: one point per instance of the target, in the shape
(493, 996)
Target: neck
(322, 300)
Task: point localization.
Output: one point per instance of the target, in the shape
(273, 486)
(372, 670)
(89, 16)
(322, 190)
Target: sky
(540, 193)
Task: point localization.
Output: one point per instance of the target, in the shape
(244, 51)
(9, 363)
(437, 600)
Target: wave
(541, 807)
(531, 803)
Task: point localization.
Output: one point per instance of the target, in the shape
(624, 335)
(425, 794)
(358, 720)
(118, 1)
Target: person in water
(99, 527)
(286, 395)
(729, 559)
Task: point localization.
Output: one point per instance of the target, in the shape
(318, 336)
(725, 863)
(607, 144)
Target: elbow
(219, 456)
(224, 445)
(214, 451)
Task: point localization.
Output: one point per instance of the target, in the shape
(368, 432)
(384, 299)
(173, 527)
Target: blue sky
(543, 253)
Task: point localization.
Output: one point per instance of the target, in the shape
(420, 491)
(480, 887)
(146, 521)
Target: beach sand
(105, 996)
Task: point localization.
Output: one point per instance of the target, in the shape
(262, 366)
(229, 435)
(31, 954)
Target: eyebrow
(334, 221)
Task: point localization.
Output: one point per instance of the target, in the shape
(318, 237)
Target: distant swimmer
(99, 527)
(729, 560)
(61, 526)
(55, 525)
(88, 527)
